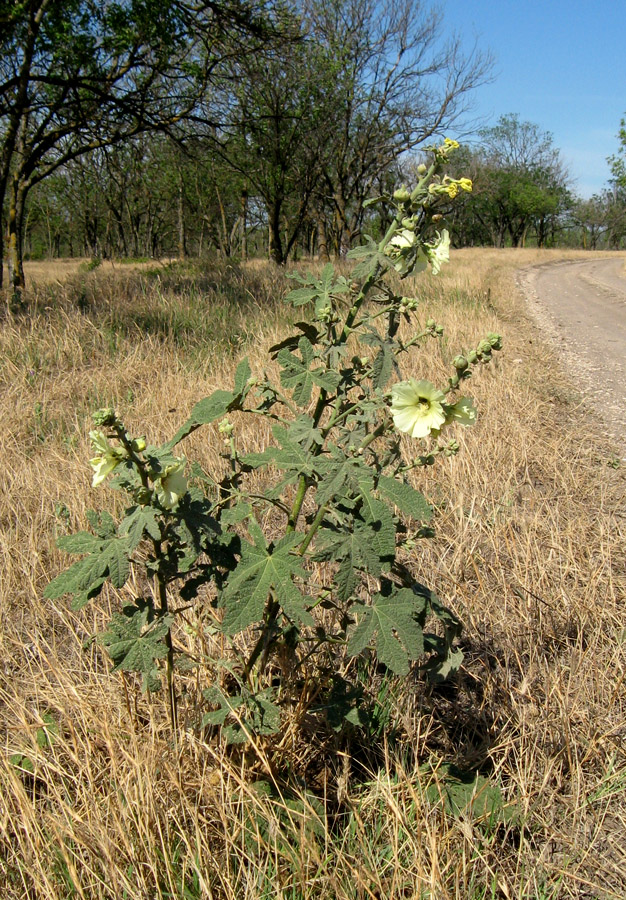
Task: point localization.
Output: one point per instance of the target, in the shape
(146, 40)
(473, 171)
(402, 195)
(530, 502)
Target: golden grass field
(529, 550)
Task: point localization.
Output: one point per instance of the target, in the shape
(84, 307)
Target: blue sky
(558, 63)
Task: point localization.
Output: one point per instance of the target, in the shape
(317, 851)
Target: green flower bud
(460, 363)
(105, 416)
(421, 169)
(430, 323)
(484, 347)
(495, 340)
(438, 329)
(408, 224)
(401, 195)
(143, 495)
(472, 357)
(453, 381)
(139, 445)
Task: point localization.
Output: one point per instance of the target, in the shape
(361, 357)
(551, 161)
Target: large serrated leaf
(242, 375)
(409, 501)
(298, 375)
(259, 571)
(80, 577)
(115, 555)
(204, 412)
(81, 542)
(390, 621)
(290, 456)
(385, 358)
(321, 290)
(135, 640)
(381, 532)
(140, 520)
(340, 475)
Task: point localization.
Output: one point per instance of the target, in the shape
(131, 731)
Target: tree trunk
(182, 241)
(244, 225)
(17, 281)
(322, 238)
(275, 242)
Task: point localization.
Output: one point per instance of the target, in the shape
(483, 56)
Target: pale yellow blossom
(416, 407)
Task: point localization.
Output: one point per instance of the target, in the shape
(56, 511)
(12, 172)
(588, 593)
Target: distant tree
(397, 79)
(520, 184)
(590, 218)
(77, 75)
(317, 128)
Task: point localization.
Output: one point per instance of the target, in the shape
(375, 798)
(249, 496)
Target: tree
(396, 81)
(277, 108)
(78, 75)
(520, 184)
(317, 129)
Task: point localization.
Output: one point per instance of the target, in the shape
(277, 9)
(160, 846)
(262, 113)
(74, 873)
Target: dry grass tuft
(95, 802)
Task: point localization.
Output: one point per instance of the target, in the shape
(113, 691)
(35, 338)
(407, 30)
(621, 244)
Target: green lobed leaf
(140, 520)
(321, 290)
(102, 523)
(242, 375)
(81, 542)
(409, 501)
(135, 639)
(339, 474)
(204, 412)
(259, 571)
(289, 456)
(297, 374)
(389, 621)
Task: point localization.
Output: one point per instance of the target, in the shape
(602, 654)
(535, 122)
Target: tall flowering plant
(332, 578)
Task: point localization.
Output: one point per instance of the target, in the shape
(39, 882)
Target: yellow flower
(465, 184)
(449, 144)
(416, 407)
(171, 484)
(108, 457)
(403, 240)
(463, 412)
(452, 189)
(405, 251)
(439, 253)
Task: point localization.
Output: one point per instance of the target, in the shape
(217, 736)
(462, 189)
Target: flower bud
(437, 217)
(495, 340)
(472, 357)
(421, 169)
(139, 445)
(408, 224)
(401, 195)
(430, 323)
(225, 427)
(460, 363)
(484, 347)
(105, 416)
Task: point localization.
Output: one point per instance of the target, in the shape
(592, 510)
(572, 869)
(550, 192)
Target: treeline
(153, 126)
(150, 128)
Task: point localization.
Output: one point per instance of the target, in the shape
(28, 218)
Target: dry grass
(529, 549)
(57, 271)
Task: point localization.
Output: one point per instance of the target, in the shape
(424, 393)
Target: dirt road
(581, 305)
